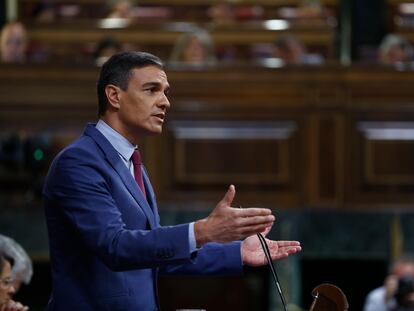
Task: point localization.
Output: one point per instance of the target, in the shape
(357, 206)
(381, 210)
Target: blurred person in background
(292, 51)
(13, 43)
(22, 271)
(6, 286)
(193, 48)
(405, 294)
(397, 293)
(45, 12)
(395, 50)
(307, 12)
(221, 13)
(121, 9)
(105, 49)
(310, 9)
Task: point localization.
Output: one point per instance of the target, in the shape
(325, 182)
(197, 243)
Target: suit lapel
(126, 177)
(151, 196)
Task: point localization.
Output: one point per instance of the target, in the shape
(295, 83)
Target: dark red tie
(136, 160)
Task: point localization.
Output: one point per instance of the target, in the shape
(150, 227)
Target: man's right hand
(226, 223)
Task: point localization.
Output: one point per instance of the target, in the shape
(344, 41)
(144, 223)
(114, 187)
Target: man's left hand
(253, 255)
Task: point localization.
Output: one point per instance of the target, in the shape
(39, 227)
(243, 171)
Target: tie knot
(136, 158)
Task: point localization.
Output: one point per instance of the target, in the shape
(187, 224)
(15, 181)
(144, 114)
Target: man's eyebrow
(155, 84)
(150, 84)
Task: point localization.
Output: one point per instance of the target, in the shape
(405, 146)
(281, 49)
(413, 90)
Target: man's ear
(113, 94)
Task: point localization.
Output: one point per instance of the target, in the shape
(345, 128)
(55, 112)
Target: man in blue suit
(106, 242)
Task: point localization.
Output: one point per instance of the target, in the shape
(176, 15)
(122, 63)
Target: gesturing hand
(13, 306)
(226, 223)
(253, 255)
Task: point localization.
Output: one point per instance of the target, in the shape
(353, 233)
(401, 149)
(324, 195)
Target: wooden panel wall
(292, 137)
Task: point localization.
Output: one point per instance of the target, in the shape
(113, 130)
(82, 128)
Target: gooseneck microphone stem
(266, 251)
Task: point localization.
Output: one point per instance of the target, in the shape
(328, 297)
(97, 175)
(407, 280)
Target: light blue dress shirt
(125, 150)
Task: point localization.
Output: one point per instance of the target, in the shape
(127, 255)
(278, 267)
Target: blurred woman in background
(6, 287)
(395, 50)
(194, 48)
(13, 43)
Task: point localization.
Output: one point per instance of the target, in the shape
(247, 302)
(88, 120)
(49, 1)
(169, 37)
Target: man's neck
(117, 126)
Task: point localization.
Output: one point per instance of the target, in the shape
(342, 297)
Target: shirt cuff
(191, 238)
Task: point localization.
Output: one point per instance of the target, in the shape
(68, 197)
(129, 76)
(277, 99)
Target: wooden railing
(178, 9)
(69, 41)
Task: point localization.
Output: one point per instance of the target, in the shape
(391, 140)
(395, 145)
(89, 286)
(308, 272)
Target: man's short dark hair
(117, 71)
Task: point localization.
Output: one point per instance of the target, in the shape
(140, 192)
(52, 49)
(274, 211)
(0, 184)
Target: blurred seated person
(6, 286)
(397, 292)
(395, 50)
(308, 11)
(291, 51)
(22, 265)
(224, 12)
(121, 9)
(13, 43)
(105, 49)
(44, 12)
(49, 11)
(128, 10)
(194, 49)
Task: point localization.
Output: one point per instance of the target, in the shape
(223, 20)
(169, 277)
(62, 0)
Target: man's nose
(165, 102)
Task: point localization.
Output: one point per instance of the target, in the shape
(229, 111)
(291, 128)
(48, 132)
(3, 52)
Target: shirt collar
(119, 142)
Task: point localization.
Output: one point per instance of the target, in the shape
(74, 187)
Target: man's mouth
(160, 116)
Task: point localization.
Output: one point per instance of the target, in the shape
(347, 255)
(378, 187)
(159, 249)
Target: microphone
(266, 251)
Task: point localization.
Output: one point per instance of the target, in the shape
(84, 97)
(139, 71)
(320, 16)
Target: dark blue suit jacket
(106, 243)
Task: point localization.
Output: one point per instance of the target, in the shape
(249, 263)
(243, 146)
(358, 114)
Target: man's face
(142, 107)
(6, 284)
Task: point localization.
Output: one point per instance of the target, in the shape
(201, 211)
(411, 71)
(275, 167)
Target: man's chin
(154, 132)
